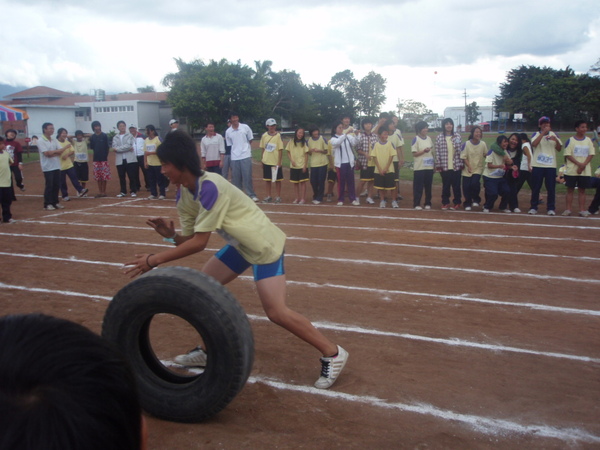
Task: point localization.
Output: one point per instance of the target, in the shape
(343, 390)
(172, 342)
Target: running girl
(207, 203)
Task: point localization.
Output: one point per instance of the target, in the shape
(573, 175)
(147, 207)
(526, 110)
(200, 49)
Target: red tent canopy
(11, 114)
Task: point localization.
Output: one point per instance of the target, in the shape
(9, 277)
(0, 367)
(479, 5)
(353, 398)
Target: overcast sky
(428, 50)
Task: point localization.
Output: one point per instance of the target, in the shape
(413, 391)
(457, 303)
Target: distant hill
(6, 89)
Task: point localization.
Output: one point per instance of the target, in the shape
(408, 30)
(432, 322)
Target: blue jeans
(318, 175)
(72, 174)
(494, 187)
(546, 175)
(471, 187)
(423, 180)
(450, 179)
(242, 175)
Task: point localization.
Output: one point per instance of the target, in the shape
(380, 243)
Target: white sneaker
(133, 194)
(194, 358)
(152, 197)
(83, 192)
(356, 202)
(566, 212)
(475, 205)
(395, 204)
(551, 213)
(427, 207)
(59, 206)
(467, 208)
(331, 367)
(516, 210)
(585, 213)
(49, 208)
(316, 202)
(121, 195)
(532, 211)
(506, 210)
(418, 208)
(382, 204)
(277, 199)
(66, 199)
(485, 210)
(161, 197)
(364, 193)
(254, 199)
(370, 201)
(340, 203)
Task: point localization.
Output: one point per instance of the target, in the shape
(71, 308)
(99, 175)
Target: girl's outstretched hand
(162, 227)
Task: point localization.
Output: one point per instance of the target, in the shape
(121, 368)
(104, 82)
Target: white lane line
(455, 342)
(446, 249)
(341, 241)
(432, 220)
(418, 267)
(383, 292)
(470, 235)
(486, 425)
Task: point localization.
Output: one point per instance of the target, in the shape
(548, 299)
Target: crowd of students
(375, 152)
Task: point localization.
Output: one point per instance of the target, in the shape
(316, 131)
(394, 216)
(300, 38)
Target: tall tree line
(202, 91)
(560, 94)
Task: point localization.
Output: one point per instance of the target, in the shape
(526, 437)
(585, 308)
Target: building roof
(43, 95)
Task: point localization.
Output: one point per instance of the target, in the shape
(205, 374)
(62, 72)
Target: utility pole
(466, 112)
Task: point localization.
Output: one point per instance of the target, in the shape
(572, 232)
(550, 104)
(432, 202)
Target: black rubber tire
(213, 311)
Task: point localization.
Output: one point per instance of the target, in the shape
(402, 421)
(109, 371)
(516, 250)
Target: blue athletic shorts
(229, 256)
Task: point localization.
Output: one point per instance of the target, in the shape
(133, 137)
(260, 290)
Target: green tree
(559, 94)
(290, 98)
(371, 94)
(345, 83)
(263, 69)
(148, 88)
(472, 113)
(202, 92)
(329, 105)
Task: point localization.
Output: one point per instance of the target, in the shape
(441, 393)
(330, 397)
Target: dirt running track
(464, 330)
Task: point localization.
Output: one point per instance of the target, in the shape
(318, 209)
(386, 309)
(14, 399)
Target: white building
(77, 112)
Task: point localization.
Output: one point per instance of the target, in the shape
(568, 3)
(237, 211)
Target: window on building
(114, 109)
(130, 108)
(105, 109)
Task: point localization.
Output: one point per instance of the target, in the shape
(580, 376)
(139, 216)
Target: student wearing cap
(546, 146)
(173, 125)
(272, 152)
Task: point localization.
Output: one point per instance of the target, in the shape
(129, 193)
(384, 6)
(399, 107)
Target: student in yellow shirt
(272, 150)
(298, 155)
(382, 154)
(210, 203)
(319, 162)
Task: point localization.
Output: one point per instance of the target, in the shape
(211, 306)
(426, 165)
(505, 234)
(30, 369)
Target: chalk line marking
(454, 342)
(433, 220)
(337, 227)
(342, 241)
(431, 247)
(460, 298)
(480, 424)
